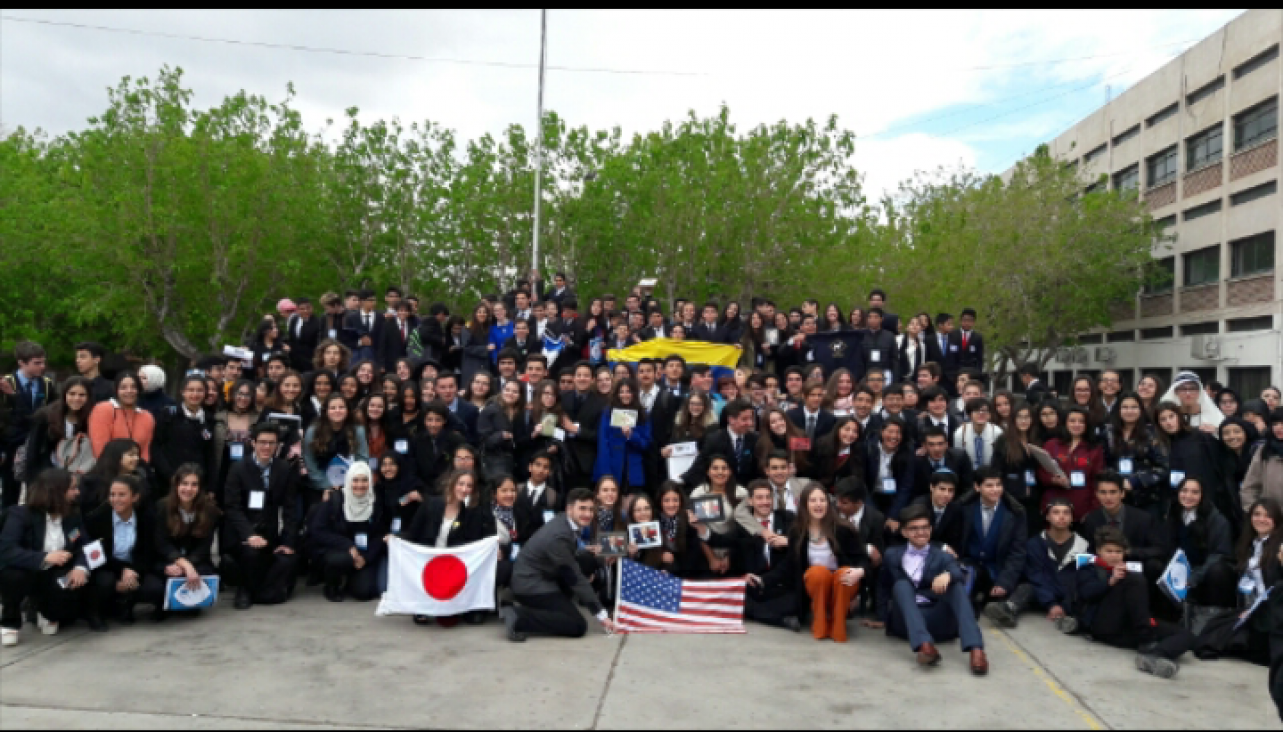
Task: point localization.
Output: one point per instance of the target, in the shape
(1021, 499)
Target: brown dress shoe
(928, 655)
(979, 662)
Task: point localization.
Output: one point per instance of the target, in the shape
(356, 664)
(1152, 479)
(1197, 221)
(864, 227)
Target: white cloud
(889, 162)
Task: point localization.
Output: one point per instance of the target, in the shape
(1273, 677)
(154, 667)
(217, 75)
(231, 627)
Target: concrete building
(1199, 140)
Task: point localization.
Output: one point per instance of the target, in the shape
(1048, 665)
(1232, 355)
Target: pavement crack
(1051, 674)
(610, 677)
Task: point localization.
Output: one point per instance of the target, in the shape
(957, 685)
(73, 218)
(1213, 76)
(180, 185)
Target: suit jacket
(711, 333)
(1010, 545)
(757, 558)
(528, 513)
(467, 415)
(432, 339)
(971, 357)
(824, 423)
(955, 460)
(649, 333)
(1146, 536)
(330, 531)
(102, 528)
(873, 527)
(850, 552)
(947, 529)
(303, 345)
(547, 565)
(22, 540)
(278, 520)
(18, 410)
(940, 355)
(588, 416)
(1037, 392)
(720, 443)
(472, 524)
(169, 549)
(883, 345)
(393, 345)
(433, 456)
(938, 563)
(903, 464)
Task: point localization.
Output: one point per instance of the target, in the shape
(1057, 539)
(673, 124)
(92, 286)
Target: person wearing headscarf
(1228, 401)
(399, 490)
(1264, 477)
(348, 537)
(154, 399)
(1197, 408)
(1254, 412)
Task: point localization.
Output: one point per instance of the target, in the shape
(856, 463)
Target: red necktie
(766, 523)
(965, 338)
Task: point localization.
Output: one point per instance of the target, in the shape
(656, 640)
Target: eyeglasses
(916, 529)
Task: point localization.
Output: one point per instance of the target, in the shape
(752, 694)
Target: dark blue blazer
(938, 562)
(1008, 547)
(465, 419)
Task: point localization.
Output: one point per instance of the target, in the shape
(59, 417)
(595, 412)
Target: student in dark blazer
(966, 344)
(1035, 390)
(945, 514)
(459, 515)
(739, 424)
(938, 345)
(537, 499)
(939, 456)
(347, 537)
(186, 522)
(184, 434)
(1146, 536)
(27, 570)
(811, 412)
(775, 604)
(24, 394)
(889, 468)
(995, 553)
(923, 596)
(582, 410)
(878, 347)
(303, 331)
(840, 453)
(463, 414)
(397, 332)
(119, 584)
(523, 343)
(262, 522)
(434, 446)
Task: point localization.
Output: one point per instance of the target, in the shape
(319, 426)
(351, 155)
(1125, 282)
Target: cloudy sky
(921, 89)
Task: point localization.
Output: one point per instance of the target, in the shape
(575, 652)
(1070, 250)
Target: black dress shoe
(333, 594)
(96, 624)
(243, 600)
(127, 615)
(792, 624)
(159, 615)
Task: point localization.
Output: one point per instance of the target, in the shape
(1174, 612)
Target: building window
(1244, 325)
(1127, 179)
(1062, 382)
(1127, 135)
(1256, 62)
(1205, 374)
(1154, 334)
(1093, 188)
(1162, 275)
(1203, 148)
(1258, 124)
(1091, 339)
(1095, 154)
(1121, 336)
(1249, 381)
(1253, 255)
(1203, 267)
(1253, 193)
(1205, 91)
(1209, 328)
(1162, 168)
(1166, 222)
(1199, 212)
(1163, 114)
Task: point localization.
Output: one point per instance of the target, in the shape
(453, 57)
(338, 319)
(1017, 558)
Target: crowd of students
(909, 493)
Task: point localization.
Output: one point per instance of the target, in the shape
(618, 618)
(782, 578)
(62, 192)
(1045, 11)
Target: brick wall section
(1205, 297)
(1164, 195)
(1123, 310)
(1256, 289)
(1254, 160)
(1156, 306)
(1203, 180)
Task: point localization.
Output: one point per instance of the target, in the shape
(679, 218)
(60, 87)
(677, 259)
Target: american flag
(651, 601)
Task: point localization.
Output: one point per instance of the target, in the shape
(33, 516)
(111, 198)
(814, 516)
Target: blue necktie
(980, 451)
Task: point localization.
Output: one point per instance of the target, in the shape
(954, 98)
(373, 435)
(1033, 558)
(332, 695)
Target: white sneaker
(45, 626)
(8, 638)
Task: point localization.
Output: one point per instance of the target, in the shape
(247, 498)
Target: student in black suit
(22, 394)
(366, 326)
(537, 500)
(396, 335)
(774, 604)
(434, 446)
(569, 327)
(945, 515)
(463, 415)
(458, 516)
(936, 413)
(707, 328)
(967, 345)
(184, 434)
(560, 291)
(1146, 537)
(854, 508)
(32, 571)
(655, 326)
(524, 343)
(303, 332)
(262, 522)
(878, 347)
(347, 537)
(923, 595)
(994, 538)
(890, 321)
(939, 456)
(186, 523)
(118, 585)
(581, 419)
(737, 443)
(815, 421)
(1035, 391)
(889, 469)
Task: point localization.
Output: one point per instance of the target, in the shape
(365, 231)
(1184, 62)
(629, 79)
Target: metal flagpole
(543, 61)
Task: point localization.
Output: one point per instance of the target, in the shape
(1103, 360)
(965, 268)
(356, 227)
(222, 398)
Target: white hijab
(356, 510)
(1208, 412)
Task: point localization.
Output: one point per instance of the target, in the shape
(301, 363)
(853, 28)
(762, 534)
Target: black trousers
(53, 602)
(1123, 620)
(554, 614)
(12, 487)
(770, 605)
(1219, 586)
(269, 577)
(151, 591)
(362, 584)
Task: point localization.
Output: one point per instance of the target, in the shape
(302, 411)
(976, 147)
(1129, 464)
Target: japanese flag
(440, 582)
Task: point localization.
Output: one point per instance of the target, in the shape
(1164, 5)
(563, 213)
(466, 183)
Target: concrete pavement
(311, 665)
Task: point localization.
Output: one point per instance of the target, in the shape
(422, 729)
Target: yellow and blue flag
(720, 358)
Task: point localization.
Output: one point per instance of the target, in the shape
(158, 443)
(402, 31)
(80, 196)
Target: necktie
(944, 344)
(810, 426)
(369, 322)
(965, 337)
(736, 443)
(988, 519)
(980, 451)
(403, 330)
(35, 393)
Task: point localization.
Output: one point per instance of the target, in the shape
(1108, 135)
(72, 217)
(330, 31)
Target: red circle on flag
(444, 578)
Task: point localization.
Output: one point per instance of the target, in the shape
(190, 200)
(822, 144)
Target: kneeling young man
(1050, 571)
(923, 597)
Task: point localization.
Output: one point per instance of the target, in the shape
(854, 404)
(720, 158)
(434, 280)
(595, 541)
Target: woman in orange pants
(826, 561)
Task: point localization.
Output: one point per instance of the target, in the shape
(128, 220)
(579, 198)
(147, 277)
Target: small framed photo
(645, 536)
(613, 544)
(709, 509)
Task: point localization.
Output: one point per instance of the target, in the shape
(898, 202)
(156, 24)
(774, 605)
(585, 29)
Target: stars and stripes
(651, 601)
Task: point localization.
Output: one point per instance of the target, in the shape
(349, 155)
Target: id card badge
(1078, 479)
(1247, 585)
(953, 347)
(559, 435)
(875, 356)
(548, 516)
(1135, 567)
(1031, 480)
(256, 500)
(362, 541)
(396, 526)
(402, 446)
(1125, 466)
(1177, 477)
(516, 549)
(236, 450)
(888, 485)
(334, 334)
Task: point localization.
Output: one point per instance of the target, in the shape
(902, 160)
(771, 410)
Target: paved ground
(313, 665)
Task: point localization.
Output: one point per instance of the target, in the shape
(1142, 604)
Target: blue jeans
(946, 619)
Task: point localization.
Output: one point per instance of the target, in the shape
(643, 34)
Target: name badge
(396, 526)
(1031, 480)
(94, 555)
(402, 446)
(810, 355)
(516, 549)
(362, 542)
(548, 516)
(559, 435)
(334, 334)
(1078, 479)
(1125, 466)
(256, 500)
(953, 347)
(1136, 567)
(875, 356)
(1246, 585)
(972, 349)
(888, 485)
(236, 450)
(1177, 477)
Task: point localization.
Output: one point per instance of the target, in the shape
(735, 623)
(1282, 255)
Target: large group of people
(907, 492)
